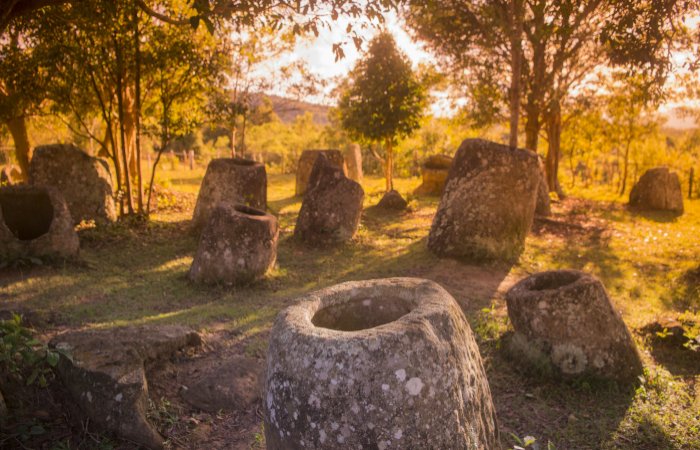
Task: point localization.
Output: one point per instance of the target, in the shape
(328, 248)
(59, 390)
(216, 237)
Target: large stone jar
(35, 222)
(565, 320)
(237, 246)
(83, 180)
(488, 205)
(230, 181)
(376, 364)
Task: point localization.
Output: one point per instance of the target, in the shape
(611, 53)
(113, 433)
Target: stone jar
(83, 180)
(378, 364)
(658, 189)
(35, 222)
(332, 207)
(488, 205)
(307, 160)
(434, 172)
(237, 246)
(565, 320)
(230, 181)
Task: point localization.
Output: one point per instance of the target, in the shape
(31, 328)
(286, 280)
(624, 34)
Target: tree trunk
(122, 128)
(554, 150)
(515, 68)
(532, 126)
(233, 140)
(23, 151)
(625, 168)
(137, 112)
(389, 165)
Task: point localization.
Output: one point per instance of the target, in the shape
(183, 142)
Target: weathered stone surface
(35, 222)
(353, 160)
(105, 374)
(230, 181)
(306, 165)
(434, 171)
(233, 385)
(488, 205)
(543, 206)
(84, 181)
(376, 364)
(331, 210)
(237, 246)
(658, 189)
(564, 318)
(392, 200)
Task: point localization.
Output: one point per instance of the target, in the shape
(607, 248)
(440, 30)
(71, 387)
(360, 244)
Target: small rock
(392, 200)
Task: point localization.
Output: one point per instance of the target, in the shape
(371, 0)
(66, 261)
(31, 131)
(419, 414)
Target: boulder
(306, 165)
(392, 200)
(35, 223)
(104, 372)
(376, 364)
(658, 189)
(230, 181)
(331, 210)
(238, 245)
(564, 319)
(83, 180)
(489, 202)
(434, 171)
(235, 384)
(353, 159)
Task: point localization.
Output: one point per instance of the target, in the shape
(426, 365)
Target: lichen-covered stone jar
(564, 319)
(378, 364)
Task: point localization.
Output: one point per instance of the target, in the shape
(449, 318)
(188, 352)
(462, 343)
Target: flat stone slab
(105, 373)
(235, 384)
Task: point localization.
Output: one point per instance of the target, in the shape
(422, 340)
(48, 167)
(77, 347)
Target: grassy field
(650, 263)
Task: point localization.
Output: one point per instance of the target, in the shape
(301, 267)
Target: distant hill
(288, 109)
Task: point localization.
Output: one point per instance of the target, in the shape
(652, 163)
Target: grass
(137, 275)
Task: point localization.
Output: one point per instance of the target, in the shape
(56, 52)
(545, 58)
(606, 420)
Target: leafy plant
(22, 354)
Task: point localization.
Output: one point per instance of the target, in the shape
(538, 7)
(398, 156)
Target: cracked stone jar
(378, 364)
(564, 319)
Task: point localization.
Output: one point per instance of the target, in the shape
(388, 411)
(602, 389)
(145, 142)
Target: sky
(317, 53)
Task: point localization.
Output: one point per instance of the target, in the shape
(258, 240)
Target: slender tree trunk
(122, 130)
(243, 147)
(233, 140)
(554, 150)
(23, 150)
(137, 111)
(515, 66)
(389, 165)
(625, 168)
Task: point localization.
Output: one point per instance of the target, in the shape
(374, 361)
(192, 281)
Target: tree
(562, 43)
(630, 118)
(384, 101)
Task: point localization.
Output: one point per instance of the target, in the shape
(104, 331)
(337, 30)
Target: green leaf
(52, 358)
